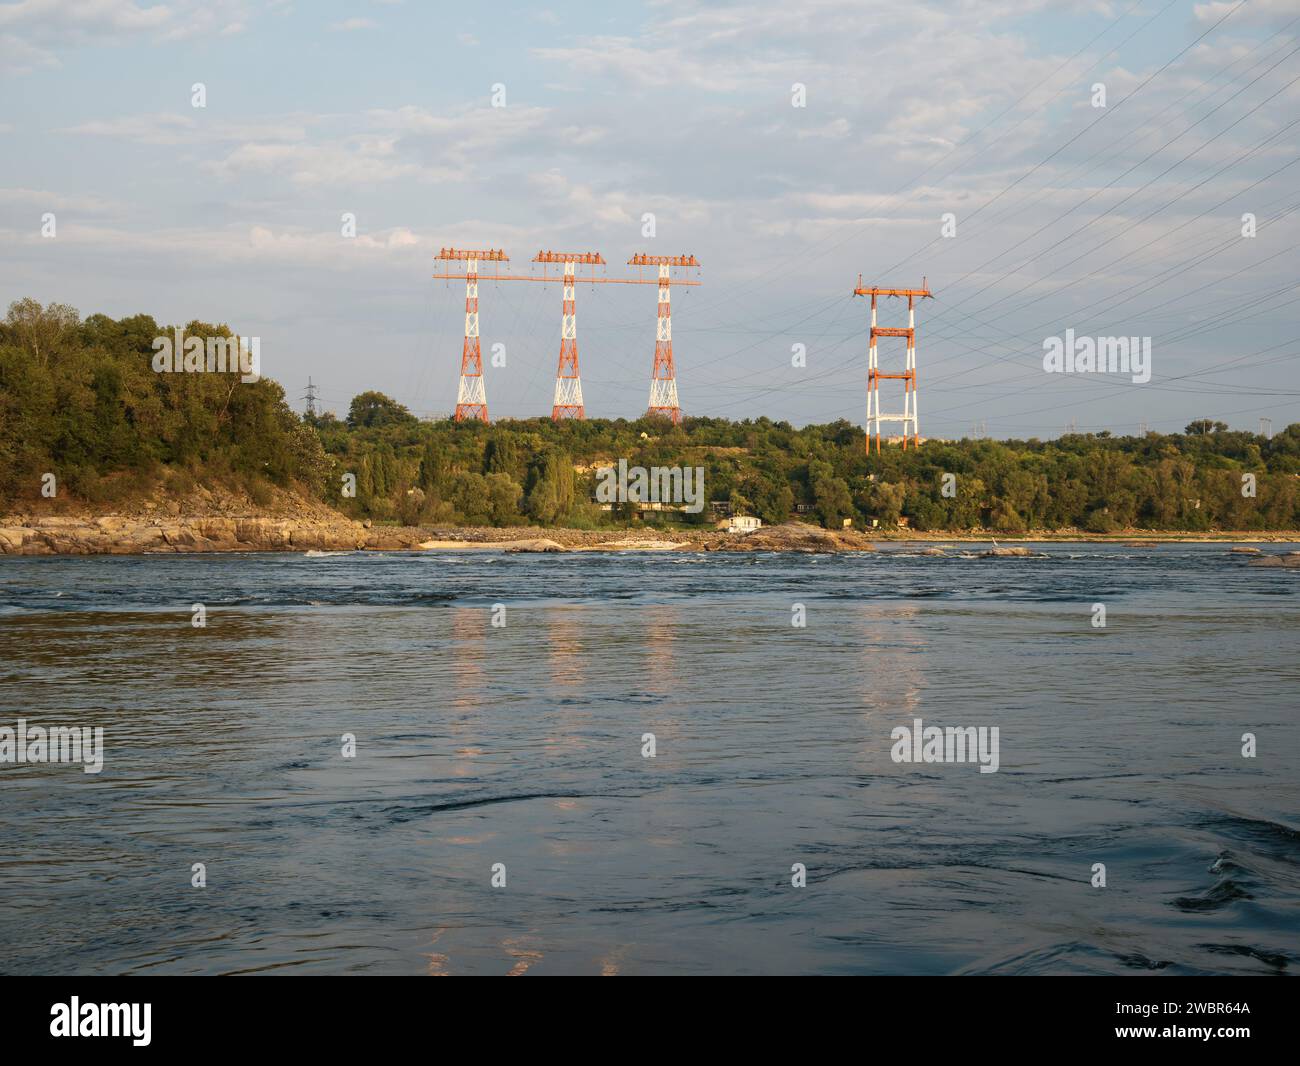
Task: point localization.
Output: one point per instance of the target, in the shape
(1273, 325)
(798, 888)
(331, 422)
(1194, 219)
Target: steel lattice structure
(471, 393)
(663, 378)
(908, 417)
(471, 398)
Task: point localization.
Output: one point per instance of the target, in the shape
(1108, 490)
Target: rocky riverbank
(218, 523)
(147, 534)
(124, 535)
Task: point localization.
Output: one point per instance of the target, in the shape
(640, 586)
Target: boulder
(1290, 560)
(540, 544)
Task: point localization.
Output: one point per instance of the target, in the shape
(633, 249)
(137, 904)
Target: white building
(743, 523)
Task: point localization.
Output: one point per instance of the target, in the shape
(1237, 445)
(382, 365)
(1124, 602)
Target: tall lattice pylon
(908, 417)
(568, 381)
(471, 394)
(663, 378)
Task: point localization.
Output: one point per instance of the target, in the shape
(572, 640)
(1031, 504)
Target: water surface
(522, 745)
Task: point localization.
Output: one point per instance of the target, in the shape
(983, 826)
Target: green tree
(374, 410)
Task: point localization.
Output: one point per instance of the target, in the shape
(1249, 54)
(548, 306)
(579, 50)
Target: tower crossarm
(641, 259)
(483, 255)
(874, 290)
(594, 258)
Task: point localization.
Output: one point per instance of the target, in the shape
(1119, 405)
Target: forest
(80, 399)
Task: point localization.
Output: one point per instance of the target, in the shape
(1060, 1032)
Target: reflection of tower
(895, 643)
(467, 657)
(565, 646)
(660, 632)
(566, 732)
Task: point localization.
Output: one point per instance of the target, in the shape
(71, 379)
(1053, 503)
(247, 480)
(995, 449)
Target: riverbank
(320, 529)
(135, 535)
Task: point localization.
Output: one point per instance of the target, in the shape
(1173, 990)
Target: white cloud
(33, 32)
(178, 129)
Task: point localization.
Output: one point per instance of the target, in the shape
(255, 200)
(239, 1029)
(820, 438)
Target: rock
(798, 537)
(1243, 551)
(1290, 560)
(392, 538)
(541, 544)
(1016, 552)
(123, 535)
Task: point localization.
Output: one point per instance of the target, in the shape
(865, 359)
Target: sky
(522, 127)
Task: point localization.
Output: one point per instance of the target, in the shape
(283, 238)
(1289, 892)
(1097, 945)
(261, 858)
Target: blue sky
(1117, 221)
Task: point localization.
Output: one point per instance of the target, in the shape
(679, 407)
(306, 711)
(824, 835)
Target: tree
(374, 410)
(432, 469)
(550, 488)
(503, 499)
(41, 330)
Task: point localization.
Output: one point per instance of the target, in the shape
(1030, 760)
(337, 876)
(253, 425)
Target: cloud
(237, 245)
(382, 145)
(176, 129)
(34, 32)
(350, 25)
(51, 18)
(1258, 11)
(48, 200)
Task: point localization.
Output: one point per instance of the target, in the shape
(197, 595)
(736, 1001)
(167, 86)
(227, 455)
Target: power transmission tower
(663, 378)
(908, 377)
(471, 393)
(568, 380)
(472, 396)
(310, 396)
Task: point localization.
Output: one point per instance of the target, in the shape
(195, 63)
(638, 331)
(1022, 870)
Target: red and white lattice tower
(471, 394)
(663, 378)
(568, 382)
(908, 417)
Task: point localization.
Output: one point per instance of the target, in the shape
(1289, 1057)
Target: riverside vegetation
(79, 399)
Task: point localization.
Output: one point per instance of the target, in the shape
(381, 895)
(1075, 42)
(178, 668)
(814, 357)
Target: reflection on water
(521, 745)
